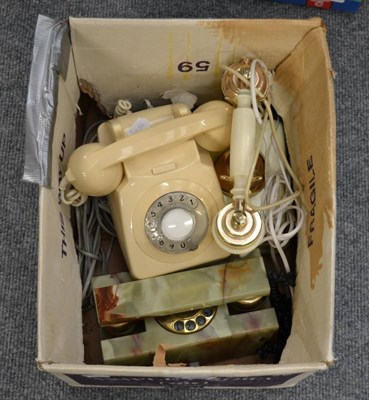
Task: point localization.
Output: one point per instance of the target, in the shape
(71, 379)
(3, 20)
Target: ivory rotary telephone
(169, 210)
(167, 204)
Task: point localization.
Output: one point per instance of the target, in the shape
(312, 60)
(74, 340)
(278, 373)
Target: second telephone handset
(163, 190)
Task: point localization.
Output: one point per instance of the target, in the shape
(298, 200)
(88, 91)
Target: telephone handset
(96, 170)
(162, 186)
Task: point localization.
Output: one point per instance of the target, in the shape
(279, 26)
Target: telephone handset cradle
(96, 170)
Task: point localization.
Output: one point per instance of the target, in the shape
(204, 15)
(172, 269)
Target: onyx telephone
(185, 314)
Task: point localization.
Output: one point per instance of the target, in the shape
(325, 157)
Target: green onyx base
(188, 290)
(226, 337)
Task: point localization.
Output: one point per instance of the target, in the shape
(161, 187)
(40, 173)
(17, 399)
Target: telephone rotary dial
(176, 222)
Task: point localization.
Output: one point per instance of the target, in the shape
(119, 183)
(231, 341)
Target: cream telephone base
(163, 209)
(162, 186)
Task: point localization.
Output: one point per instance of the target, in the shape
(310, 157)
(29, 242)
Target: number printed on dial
(176, 222)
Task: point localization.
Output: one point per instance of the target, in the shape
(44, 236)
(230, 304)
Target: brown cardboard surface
(143, 68)
(59, 290)
(303, 95)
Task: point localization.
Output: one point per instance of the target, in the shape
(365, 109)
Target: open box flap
(185, 54)
(310, 128)
(59, 287)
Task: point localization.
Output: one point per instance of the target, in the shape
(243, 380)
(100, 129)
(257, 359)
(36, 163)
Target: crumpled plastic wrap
(41, 100)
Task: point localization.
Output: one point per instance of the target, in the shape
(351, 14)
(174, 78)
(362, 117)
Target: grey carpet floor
(348, 37)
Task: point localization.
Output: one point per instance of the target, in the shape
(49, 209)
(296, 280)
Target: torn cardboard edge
(159, 357)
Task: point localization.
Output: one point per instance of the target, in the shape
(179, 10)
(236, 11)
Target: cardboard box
(139, 59)
(338, 5)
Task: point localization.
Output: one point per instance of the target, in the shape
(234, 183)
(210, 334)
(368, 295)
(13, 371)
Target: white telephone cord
(69, 194)
(282, 218)
(93, 220)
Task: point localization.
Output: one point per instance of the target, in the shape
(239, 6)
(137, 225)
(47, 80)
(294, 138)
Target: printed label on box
(134, 381)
